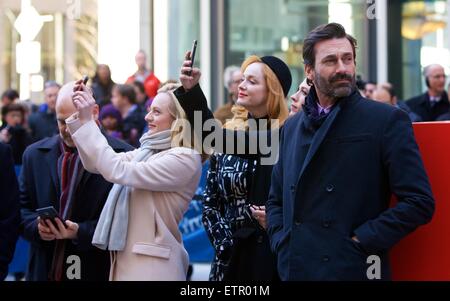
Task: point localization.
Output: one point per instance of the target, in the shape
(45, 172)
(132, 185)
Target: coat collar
(425, 100)
(51, 149)
(323, 130)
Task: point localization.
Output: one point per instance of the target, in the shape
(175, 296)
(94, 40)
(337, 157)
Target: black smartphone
(193, 51)
(85, 79)
(50, 213)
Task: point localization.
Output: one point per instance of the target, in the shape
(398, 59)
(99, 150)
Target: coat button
(298, 223)
(326, 224)
(260, 239)
(330, 188)
(325, 259)
(293, 189)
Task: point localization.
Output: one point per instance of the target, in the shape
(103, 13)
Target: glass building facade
(78, 34)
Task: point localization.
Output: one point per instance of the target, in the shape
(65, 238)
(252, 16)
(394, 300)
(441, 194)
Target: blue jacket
(39, 187)
(9, 209)
(335, 183)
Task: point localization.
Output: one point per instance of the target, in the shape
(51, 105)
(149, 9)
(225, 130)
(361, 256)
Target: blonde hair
(239, 120)
(182, 132)
(276, 102)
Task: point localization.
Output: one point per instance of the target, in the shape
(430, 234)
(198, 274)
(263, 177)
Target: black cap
(281, 70)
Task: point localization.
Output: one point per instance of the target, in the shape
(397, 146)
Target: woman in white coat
(153, 187)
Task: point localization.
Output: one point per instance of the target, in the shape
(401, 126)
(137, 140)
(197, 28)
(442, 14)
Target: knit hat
(281, 70)
(110, 110)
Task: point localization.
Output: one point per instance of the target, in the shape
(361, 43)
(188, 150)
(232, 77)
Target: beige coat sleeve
(74, 124)
(166, 173)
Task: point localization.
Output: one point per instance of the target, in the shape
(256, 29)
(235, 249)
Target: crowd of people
(121, 162)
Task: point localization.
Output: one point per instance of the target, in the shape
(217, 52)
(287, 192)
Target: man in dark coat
(9, 209)
(43, 123)
(433, 103)
(340, 160)
(52, 175)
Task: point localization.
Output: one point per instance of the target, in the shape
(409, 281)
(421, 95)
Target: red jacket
(151, 84)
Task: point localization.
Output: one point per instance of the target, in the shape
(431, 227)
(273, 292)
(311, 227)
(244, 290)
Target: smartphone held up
(193, 52)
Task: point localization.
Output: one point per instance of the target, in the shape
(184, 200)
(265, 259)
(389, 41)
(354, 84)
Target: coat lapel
(318, 138)
(51, 155)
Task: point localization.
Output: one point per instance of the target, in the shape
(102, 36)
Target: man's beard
(330, 88)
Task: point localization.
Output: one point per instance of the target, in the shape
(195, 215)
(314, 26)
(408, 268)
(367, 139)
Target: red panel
(425, 254)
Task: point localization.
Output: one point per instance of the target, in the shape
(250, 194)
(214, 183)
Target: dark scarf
(70, 172)
(313, 119)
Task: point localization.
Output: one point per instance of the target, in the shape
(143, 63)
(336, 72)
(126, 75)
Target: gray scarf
(112, 226)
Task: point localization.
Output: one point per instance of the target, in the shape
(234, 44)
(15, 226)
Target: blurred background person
(43, 123)
(9, 96)
(369, 87)
(13, 130)
(141, 96)
(434, 102)
(360, 84)
(385, 93)
(102, 85)
(298, 99)
(144, 75)
(111, 121)
(232, 77)
(124, 100)
(446, 116)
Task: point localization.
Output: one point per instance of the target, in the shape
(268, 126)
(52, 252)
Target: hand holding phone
(50, 213)
(83, 100)
(190, 76)
(78, 85)
(193, 52)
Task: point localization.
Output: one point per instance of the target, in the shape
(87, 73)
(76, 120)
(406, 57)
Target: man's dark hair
(13, 107)
(139, 85)
(127, 91)
(322, 33)
(360, 83)
(11, 94)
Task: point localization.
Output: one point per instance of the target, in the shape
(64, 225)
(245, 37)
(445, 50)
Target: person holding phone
(14, 131)
(52, 175)
(237, 184)
(153, 186)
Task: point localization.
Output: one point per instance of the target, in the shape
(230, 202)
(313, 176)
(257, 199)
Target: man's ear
(309, 72)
